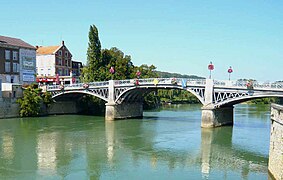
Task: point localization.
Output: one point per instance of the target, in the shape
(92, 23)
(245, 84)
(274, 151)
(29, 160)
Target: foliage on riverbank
(33, 98)
(264, 101)
(99, 63)
(177, 97)
(177, 75)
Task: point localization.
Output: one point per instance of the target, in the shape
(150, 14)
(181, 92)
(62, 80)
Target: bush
(31, 101)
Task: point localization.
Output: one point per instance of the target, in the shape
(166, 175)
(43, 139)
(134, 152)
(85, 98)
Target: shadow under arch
(76, 94)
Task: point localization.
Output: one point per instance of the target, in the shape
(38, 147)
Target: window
(7, 67)
(60, 53)
(66, 62)
(7, 55)
(60, 71)
(16, 67)
(15, 55)
(66, 72)
(59, 61)
(66, 53)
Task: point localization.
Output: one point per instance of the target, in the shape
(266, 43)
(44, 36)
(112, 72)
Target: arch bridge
(124, 97)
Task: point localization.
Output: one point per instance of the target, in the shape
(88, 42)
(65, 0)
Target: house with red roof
(53, 64)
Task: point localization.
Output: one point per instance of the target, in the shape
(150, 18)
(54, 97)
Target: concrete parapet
(123, 111)
(215, 117)
(275, 164)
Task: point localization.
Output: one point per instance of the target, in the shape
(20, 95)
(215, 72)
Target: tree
(89, 72)
(121, 62)
(146, 71)
(30, 103)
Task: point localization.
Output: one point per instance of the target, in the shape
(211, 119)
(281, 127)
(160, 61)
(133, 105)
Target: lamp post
(230, 70)
(138, 74)
(210, 68)
(112, 71)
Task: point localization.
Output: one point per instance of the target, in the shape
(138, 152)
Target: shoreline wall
(9, 108)
(275, 164)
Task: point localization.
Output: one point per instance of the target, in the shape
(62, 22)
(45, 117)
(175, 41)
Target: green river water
(167, 143)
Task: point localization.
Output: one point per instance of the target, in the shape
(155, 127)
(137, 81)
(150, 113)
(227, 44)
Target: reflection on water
(166, 144)
(7, 146)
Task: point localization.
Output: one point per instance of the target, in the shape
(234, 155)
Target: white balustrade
(169, 82)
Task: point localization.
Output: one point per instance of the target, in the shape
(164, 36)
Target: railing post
(110, 112)
(208, 92)
(111, 95)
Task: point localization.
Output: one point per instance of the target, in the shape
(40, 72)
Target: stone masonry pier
(275, 164)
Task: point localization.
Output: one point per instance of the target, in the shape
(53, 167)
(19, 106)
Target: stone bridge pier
(213, 116)
(123, 110)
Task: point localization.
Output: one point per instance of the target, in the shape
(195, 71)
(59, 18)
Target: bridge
(124, 97)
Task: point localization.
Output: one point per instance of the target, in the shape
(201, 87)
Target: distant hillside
(176, 75)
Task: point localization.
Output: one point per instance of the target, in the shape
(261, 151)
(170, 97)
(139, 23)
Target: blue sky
(176, 36)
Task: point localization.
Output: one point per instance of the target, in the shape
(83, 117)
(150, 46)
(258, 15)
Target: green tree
(115, 58)
(30, 103)
(146, 71)
(89, 72)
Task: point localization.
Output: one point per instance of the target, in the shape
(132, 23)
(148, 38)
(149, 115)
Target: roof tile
(46, 50)
(15, 42)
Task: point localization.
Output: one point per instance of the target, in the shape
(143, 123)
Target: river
(167, 143)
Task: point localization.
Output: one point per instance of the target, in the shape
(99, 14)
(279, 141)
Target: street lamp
(138, 74)
(230, 70)
(112, 71)
(210, 68)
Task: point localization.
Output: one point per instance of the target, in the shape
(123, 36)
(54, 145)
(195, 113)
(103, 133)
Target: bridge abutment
(123, 111)
(215, 117)
(275, 163)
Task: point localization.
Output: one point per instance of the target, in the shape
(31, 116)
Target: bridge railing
(244, 84)
(160, 81)
(130, 82)
(77, 86)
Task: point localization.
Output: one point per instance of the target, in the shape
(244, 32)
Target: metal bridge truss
(101, 93)
(224, 92)
(223, 96)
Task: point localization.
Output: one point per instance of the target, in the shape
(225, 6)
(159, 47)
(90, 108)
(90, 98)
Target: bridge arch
(238, 100)
(62, 93)
(130, 94)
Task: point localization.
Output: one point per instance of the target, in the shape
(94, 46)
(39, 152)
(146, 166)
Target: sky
(180, 36)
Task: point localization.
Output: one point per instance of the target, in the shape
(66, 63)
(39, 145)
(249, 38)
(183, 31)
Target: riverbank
(9, 108)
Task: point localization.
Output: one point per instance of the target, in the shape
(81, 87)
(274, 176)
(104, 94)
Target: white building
(52, 61)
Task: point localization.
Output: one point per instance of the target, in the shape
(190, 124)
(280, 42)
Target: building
(76, 70)
(17, 61)
(54, 64)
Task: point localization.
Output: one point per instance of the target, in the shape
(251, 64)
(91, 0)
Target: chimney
(63, 43)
